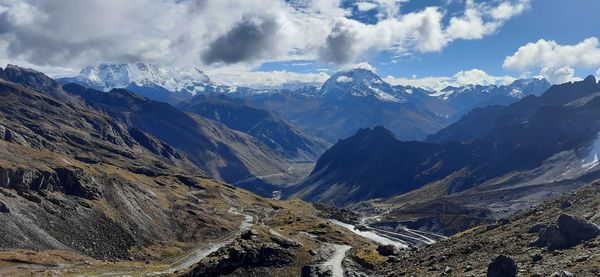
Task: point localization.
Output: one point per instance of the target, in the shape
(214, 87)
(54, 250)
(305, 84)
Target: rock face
(70, 181)
(568, 232)
(502, 266)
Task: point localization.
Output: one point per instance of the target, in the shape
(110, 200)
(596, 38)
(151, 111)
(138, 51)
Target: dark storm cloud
(251, 39)
(338, 48)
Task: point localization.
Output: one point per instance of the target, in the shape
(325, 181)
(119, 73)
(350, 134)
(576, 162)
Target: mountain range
(347, 101)
(500, 158)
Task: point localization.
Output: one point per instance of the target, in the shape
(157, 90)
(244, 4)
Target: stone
(4, 208)
(565, 204)
(537, 257)
(249, 234)
(589, 215)
(563, 273)
(388, 250)
(568, 232)
(576, 230)
(551, 237)
(447, 271)
(502, 266)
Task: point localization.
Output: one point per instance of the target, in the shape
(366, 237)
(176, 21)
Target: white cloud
(480, 77)
(555, 61)
(205, 32)
(343, 79)
(365, 6)
(559, 75)
(260, 79)
(462, 78)
(366, 66)
(481, 19)
(598, 74)
(550, 54)
(506, 10)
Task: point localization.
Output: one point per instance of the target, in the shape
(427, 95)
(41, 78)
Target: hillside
(224, 153)
(272, 130)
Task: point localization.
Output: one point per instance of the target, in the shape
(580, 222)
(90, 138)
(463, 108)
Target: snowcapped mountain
(359, 83)
(517, 89)
(167, 84)
(108, 76)
(464, 99)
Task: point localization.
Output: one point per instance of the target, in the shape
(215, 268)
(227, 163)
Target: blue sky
(566, 22)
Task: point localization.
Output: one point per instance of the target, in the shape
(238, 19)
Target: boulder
(388, 250)
(568, 232)
(576, 230)
(551, 237)
(4, 208)
(502, 266)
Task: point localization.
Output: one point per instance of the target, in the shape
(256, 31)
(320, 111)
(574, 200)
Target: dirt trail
(335, 262)
(202, 252)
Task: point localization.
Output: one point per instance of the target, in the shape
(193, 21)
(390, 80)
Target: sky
(427, 43)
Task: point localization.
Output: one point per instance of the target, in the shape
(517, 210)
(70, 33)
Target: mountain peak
(359, 82)
(378, 132)
(590, 79)
(108, 76)
(28, 77)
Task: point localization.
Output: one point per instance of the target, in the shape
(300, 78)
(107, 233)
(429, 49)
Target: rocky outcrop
(285, 242)
(11, 136)
(317, 271)
(567, 232)
(244, 253)
(70, 181)
(502, 266)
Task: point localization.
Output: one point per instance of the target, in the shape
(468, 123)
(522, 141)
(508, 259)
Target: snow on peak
(359, 83)
(109, 76)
